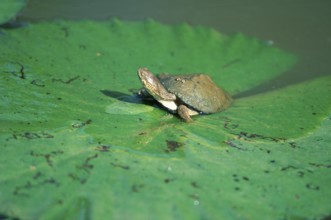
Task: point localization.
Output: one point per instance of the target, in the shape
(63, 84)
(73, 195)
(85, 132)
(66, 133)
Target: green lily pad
(9, 8)
(78, 144)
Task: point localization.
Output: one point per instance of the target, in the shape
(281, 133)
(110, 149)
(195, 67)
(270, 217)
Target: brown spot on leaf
(311, 186)
(231, 144)
(137, 187)
(125, 167)
(81, 124)
(320, 165)
(32, 135)
(246, 136)
(168, 180)
(102, 148)
(66, 81)
(47, 156)
(37, 82)
(172, 145)
(194, 184)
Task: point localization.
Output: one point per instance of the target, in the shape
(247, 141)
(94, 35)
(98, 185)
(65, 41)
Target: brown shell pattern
(197, 91)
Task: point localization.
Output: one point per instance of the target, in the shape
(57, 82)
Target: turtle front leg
(185, 113)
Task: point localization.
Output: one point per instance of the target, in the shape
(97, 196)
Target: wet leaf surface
(77, 142)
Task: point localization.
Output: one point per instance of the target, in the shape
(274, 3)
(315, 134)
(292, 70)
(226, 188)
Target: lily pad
(78, 144)
(9, 8)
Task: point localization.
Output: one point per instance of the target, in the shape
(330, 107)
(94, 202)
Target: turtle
(185, 94)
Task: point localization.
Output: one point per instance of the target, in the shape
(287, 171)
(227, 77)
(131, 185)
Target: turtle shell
(198, 91)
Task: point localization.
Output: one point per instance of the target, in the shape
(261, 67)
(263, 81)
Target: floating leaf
(77, 142)
(9, 8)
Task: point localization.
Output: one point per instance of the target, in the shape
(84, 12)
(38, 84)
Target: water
(298, 26)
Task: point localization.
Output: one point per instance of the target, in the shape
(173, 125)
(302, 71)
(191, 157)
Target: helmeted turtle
(187, 95)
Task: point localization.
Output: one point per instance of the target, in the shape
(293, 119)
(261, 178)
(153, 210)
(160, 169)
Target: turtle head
(153, 86)
(149, 81)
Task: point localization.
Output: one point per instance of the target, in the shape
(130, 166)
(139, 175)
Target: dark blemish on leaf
(8, 217)
(60, 202)
(246, 136)
(51, 181)
(102, 148)
(237, 188)
(172, 146)
(194, 196)
(272, 161)
(168, 180)
(28, 185)
(314, 113)
(86, 166)
(235, 178)
(82, 46)
(268, 151)
(301, 173)
(136, 188)
(37, 175)
(227, 125)
(142, 133)
(266, 171)
(22, 73)
(194, 184)
(81, 124)
(32, 135)
(311, 186)
(199, 165)
(75, 177)
(18, 189)
(293, 144)
(288, 168)
(320, 165)
(67, 81)
(37, 82)
(59, 99)
(120, 166)
(231, 144)
(47, 156)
